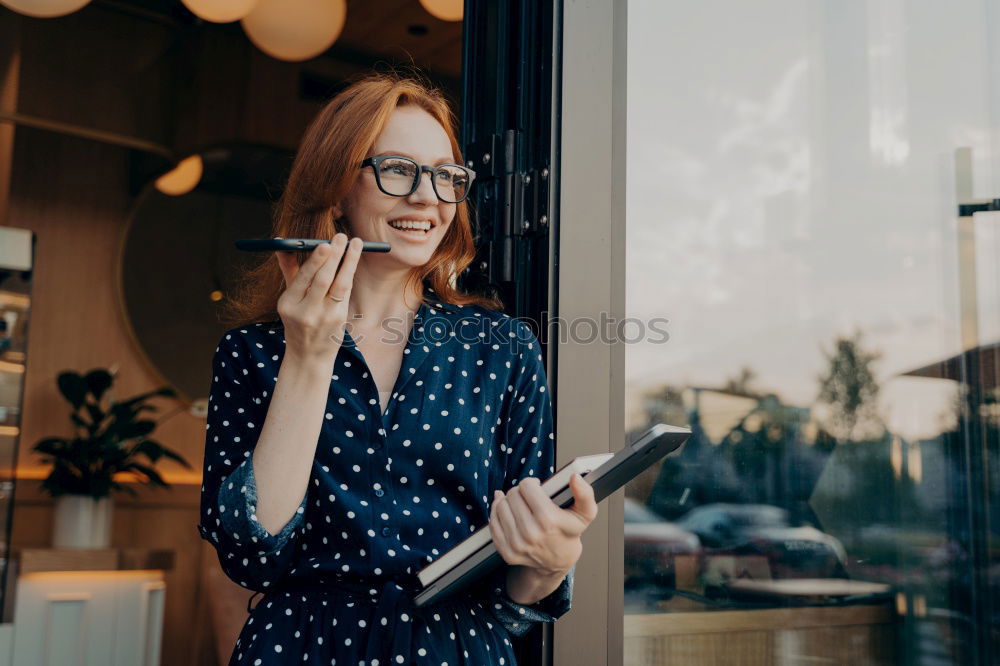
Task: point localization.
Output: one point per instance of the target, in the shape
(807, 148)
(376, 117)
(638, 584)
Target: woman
(340, 460)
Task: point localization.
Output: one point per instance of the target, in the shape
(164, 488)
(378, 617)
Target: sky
(792, 178)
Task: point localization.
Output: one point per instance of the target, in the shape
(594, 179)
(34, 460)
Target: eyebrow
(440, 160)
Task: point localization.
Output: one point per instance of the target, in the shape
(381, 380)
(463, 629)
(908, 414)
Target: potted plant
(108, 441)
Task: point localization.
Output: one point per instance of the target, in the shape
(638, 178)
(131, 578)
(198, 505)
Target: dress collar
(419, 345)
(432, 299)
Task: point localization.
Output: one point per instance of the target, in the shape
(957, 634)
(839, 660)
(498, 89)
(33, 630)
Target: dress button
(379, 492)
(386, 531)
(377, 445)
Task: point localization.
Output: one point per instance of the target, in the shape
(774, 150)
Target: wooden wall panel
(856, 635)
(97, 68)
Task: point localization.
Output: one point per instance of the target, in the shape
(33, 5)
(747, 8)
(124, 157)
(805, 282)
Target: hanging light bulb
(44, 8)
(182, 178)
(220, 11)
(446, 10)
(295, 30)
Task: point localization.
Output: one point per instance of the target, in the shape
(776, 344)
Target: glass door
(812, 188)
(17, 255)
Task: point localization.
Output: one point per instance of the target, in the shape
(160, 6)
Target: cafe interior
(138, 140)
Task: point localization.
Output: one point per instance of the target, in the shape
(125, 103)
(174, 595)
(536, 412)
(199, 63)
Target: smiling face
(410, 132)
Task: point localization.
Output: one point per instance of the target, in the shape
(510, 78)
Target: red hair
(324, 171)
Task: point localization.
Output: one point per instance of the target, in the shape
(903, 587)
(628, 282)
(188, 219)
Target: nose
(424, 193)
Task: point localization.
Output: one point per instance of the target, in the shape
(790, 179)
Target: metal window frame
(591, 269)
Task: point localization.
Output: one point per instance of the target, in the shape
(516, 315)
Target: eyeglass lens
(397, 176)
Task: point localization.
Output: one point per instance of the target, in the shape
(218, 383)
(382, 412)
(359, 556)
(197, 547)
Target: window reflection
(771, 505)
(814, 214)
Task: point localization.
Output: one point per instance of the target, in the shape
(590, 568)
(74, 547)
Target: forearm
(526, 585)
(283, 456)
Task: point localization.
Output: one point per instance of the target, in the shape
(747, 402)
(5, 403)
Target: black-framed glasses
(399, 176)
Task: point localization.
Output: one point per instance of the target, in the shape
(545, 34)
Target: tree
(740, 384)
(849, 386)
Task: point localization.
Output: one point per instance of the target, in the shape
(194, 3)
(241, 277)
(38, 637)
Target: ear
(336, 212)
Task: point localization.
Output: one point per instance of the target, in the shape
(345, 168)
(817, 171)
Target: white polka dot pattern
(388, 493)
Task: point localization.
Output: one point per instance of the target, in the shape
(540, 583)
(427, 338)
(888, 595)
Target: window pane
(795, 170)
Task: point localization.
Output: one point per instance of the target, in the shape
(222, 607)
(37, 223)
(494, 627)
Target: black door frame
(511, 59)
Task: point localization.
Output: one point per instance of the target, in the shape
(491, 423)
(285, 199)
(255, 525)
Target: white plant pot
(82, 522)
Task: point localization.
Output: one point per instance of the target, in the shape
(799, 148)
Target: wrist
(528, 585)
(306, 366)
(550, 574)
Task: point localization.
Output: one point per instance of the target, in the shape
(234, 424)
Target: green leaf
(73, 387)
(154, 451)
(97, 414)
(148, 471)
(149, 448)
(64, 480)
(142, 397)
(98, 381)
(53, 446)
(135, 429)
(167, 453)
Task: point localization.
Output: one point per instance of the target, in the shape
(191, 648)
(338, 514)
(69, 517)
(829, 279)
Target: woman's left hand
(529, 529)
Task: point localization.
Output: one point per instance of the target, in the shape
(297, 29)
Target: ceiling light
(220, 11)
(44, 8)
(446, 10)
(182, 178)
(295, 30)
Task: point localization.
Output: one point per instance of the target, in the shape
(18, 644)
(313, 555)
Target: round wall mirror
(178, 262)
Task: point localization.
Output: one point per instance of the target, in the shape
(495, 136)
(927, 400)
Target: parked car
(761, 529)
(651, 544)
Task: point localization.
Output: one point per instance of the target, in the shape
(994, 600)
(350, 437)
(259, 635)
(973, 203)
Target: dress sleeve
(529, 449)
(250, 555)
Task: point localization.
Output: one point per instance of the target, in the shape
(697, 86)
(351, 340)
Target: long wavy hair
(325, 169)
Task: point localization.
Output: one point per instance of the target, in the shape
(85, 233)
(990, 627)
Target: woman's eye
(452, 177)
(397, 168)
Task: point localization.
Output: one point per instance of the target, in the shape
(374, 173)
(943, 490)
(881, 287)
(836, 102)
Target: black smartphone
(298, 245)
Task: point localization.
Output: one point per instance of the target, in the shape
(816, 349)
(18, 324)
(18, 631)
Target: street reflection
(771, 505)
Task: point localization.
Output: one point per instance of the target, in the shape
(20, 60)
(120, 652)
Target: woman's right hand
(314, 324)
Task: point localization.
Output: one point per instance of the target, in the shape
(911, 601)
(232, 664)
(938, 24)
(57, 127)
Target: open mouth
(413, 228)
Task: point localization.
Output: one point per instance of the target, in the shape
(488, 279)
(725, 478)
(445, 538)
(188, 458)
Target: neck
(375, 300)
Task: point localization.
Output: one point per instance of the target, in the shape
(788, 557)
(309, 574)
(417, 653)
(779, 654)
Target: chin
(411, 257)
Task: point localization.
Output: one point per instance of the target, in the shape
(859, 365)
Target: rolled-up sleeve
(249, 555)
(529, 448)
(519, 618)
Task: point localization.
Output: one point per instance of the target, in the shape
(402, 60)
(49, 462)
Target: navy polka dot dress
(388, 493)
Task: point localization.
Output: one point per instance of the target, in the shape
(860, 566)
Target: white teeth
(412, 225)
